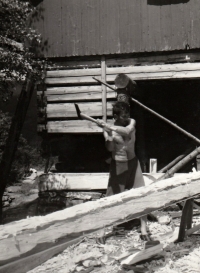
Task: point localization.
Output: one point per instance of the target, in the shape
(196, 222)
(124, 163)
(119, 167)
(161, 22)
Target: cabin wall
(100, 27)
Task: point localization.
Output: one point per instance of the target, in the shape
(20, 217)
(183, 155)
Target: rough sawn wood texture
(32, 235)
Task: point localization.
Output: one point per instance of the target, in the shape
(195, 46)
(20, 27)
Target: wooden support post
(153, 165)
(104, 89)
(186, 219)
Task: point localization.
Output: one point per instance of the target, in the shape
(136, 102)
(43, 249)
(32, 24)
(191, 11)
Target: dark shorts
(124, 176)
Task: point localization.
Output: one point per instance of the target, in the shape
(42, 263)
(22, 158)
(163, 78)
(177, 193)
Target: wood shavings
(177, 258)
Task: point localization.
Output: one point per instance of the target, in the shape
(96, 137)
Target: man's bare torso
(124, 146)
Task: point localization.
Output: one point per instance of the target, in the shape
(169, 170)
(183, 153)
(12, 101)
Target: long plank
(35, 234)
(135, 76)
(73, 126)
(173, 71)
(25, 264)
(80, 97)
(74, 73)
(86, 181)
(72, 90)
(128, 70)
(74, 80)
(73, 181)
(65, 110)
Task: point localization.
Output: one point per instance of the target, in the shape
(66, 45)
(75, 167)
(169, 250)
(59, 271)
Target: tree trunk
(13, 136)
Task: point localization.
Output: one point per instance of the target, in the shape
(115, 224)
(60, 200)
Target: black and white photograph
(99, 136)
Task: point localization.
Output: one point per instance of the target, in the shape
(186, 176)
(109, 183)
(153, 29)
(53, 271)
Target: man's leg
(143, 221)
(138, 181)
(117, 177)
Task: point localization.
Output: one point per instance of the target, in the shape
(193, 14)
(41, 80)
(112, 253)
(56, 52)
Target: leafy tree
(17, 63)
(17, 41)
(25, 156)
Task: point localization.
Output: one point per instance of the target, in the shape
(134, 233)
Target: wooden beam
(35, 234)
(148, 59)
(86, 181)
(74, 126)
(147, 72)
(104, 89)
(72, 89)
(88, 96)
(74, 73)
(73, 181)
(75, 93)
(65, 110)
(25, 264)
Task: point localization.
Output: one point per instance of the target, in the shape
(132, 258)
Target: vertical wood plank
(144, 26)
(88, 27)
(190, 214)
(84, 26)
(195, 24)
(165, 24)
(104, 89)
(154, 27)
(123, 22)
(54, 27)
(77, 27)
(113, 27)
(134, 26)
(177, 23)
(65, 24)
(93, 26)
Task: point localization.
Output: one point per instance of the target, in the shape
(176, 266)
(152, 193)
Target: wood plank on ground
(85, 181)
(35, 234)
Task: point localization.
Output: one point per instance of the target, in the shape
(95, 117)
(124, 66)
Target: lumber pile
(32, 235)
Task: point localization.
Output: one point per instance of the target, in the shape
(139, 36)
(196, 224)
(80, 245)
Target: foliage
(25, 156)
(16, 42)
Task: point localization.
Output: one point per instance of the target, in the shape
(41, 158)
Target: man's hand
(104, 125)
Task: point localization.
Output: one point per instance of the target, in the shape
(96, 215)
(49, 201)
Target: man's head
(121, 113)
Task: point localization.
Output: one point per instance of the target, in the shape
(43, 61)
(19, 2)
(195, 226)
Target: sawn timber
(23, 238)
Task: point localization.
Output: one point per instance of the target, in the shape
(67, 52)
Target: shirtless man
(125, 170)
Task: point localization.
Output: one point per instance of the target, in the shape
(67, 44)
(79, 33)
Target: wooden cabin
(155, 42)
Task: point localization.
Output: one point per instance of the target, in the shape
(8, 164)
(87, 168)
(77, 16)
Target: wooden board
(66, 110)
(83, 181)
(32, 261)
(75, 181)
(73, 73)
(87, 96)
(164, 71)
(35, 234)
(86, 181)
(74, 126)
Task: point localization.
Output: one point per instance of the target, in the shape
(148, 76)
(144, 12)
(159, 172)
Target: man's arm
(123, 131)
(109, 140)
